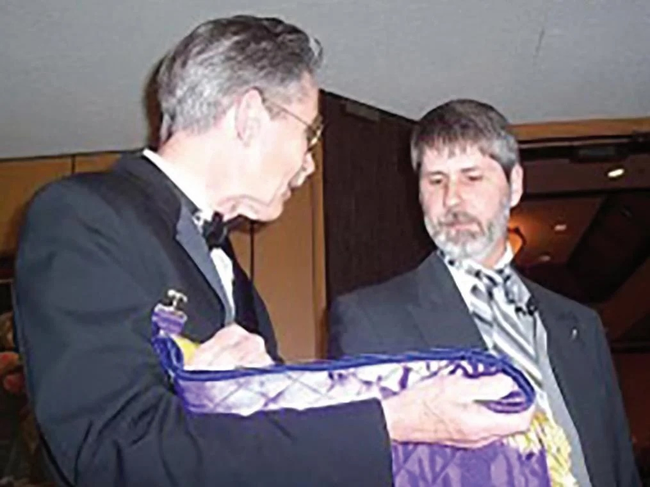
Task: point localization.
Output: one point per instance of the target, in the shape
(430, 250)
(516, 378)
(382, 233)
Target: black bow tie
(214, 231)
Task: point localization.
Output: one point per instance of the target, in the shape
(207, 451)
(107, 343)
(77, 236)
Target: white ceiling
(72, 72)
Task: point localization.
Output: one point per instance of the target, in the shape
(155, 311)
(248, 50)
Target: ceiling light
(615, 173)
(560, 227)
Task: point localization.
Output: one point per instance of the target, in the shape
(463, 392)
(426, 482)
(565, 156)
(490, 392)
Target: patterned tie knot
(491, 279)
(502, 278)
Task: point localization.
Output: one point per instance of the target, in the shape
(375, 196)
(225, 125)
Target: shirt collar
(506, 258)
(193, 193)
(502, 263)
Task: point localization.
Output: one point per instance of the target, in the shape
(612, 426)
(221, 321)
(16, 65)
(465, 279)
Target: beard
(474, 239)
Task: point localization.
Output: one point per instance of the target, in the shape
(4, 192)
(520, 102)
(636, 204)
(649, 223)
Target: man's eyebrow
(433, 172)
(470, 169)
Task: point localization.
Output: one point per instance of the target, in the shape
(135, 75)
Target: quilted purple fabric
(317, 384)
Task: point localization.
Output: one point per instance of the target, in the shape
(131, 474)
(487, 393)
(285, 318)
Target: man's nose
(306, 170)
(309, 165)
(453, 194)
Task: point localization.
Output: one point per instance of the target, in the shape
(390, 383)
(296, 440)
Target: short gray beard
(473, 245)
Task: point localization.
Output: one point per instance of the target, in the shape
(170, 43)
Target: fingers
(472, 443)
(468, 390)
(229, 348)
(247, 351)
(486, 388)
(488, 423)
(444, 410)
(229, 335)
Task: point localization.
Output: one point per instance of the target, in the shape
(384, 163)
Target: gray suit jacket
(423, 309)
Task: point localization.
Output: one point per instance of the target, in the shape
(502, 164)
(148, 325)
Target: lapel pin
(169, 317)
(177, 299)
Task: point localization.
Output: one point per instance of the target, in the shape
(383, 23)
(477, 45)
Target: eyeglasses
(313, 131)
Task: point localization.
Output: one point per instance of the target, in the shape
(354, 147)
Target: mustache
(455, 217)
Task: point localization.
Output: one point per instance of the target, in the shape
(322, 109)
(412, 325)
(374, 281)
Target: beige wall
(19, 180)
(290, 270)
(284, 276)
(289, 265)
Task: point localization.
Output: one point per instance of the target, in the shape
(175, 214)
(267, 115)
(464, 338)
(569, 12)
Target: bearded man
(467, 293)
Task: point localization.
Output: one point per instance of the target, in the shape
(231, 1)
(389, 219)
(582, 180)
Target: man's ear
(250, 116)
(516, 185)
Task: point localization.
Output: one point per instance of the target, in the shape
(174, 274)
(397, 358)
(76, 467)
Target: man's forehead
(456, 159)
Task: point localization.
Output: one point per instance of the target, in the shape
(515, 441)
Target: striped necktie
(506, 322)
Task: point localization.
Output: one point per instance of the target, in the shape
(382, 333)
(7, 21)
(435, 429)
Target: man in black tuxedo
(239, 107)
(467, 294)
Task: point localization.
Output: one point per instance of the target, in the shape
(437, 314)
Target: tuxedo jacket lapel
(167, 200)
(187, 234)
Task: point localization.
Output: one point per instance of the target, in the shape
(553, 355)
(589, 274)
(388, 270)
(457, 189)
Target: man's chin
(463, 234)
(462, 249)
(269, 213)
(258, 210)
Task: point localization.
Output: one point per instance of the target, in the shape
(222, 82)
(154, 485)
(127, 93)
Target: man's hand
(445, 410)
(229, 348)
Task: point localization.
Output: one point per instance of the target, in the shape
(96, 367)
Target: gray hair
(461, 125)
(200, 78)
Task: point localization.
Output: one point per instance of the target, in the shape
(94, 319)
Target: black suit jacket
(423, 309)
(97, 252)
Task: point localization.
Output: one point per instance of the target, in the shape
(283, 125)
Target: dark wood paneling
(373, 221)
